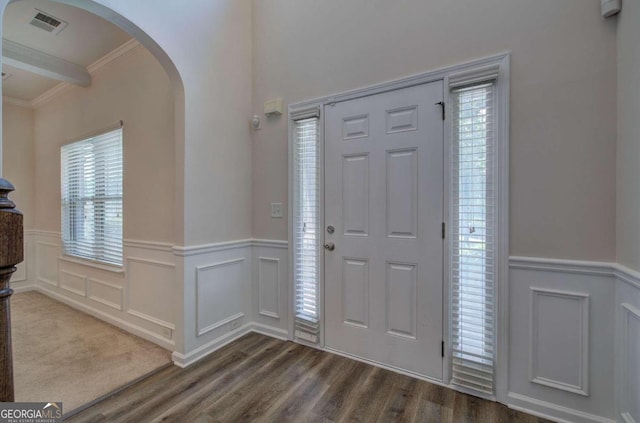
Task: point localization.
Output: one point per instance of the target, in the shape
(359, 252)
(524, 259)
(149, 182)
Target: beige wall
(133, 88)
(18, 158)
(628, 186)
(563, 100)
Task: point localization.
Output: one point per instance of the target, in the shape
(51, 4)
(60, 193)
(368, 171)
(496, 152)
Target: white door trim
(469, 69)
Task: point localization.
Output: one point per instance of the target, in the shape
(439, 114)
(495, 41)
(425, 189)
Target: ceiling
(86, 39)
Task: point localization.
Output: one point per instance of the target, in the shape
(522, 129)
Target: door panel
(384, 196)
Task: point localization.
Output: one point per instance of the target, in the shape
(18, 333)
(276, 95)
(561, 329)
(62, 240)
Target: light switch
(276, 209)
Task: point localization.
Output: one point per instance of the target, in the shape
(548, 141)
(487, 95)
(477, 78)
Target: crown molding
(16, 101)
(94, 67)
(113, 55)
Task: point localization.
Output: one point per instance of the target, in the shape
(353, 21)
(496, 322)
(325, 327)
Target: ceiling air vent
(47, 22)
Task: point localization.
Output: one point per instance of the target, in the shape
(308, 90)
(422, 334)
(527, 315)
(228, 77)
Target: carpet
(62, 354)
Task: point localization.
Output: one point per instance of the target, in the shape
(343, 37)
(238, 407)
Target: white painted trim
(122, 324)
(49, 95)
(270, 243)
(31, 60)
(626, 275)
(148, 245)
(16, 102)
(419, 79)
(113, 55)
(195, 250)
(549, 411)
(91, 263)
(583, 357)
(628, 312)
(591, 268)
(116, 306)
(71, 289)
(151, 319)
(261, 310)
(94, 67)
(152, 262)
(271, 331)
(220, 323)
(185, 360)
(49, 234)
(20, 289)
(199, 269)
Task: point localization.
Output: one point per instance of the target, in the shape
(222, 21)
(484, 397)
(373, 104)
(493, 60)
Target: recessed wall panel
(268, 286)
(355, 292)
(47, 263)
(401, 283)
(559, 340)
(73, 282)
(219, 294)
(402, 193)
(355, 195)
(631, 387)
(145, 276)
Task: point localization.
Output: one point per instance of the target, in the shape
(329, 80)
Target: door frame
(468, 71)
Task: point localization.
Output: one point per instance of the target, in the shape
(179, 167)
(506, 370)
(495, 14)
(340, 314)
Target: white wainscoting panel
(105, 293)
(630, 363)
(561, 328)
(627, 345)
(150, 286)
(47, 262)
(269, 287)
(559, 340)
(24, 277)
(218, 294)
(100, 290)
(271, 305)
(73, 283)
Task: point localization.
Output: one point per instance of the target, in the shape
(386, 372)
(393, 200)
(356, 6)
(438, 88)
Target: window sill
(94, 264)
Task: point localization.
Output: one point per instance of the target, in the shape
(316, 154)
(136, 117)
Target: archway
(178, 142)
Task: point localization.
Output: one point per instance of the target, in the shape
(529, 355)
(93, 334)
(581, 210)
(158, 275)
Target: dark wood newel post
(11, 253)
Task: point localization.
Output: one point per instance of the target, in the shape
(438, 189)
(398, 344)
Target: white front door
(384, 200)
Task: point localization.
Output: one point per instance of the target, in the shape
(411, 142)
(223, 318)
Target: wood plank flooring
(261, 379)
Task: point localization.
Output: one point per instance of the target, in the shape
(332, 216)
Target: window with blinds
(91, 173)
(473, 238)
(306, 234)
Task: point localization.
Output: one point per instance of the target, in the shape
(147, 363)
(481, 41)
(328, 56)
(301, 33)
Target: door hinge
(442, 105)
(442, 350)
(444, 230)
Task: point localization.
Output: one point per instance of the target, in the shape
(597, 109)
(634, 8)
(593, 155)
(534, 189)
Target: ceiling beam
(40, 63)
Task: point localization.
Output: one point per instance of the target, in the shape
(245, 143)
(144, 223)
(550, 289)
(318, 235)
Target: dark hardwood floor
(257, 378)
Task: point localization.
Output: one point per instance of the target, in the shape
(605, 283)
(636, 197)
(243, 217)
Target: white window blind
(306, 233)
(473, 238)
(92, 198)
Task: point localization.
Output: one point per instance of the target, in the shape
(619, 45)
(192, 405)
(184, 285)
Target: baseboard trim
(122, 324)
(19, 289)
(186, 360)
(277, 333)
(549, 411)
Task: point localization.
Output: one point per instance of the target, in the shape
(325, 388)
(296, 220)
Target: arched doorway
(146, 266)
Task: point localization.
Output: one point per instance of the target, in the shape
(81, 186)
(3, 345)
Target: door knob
(329, 246)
